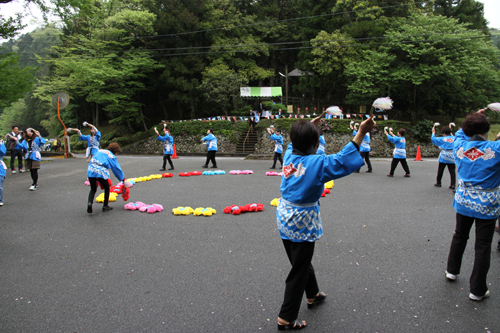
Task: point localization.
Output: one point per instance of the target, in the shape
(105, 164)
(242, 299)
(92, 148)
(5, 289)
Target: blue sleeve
(205, 138)
(3, 150)
(117, 170)
(341, 164)
(160, 138)
(354, 133)
(169, 138)
(392, 139)
(97, 134)
(41, 141)
(460, 137)
(435, 140)
(84, 137)
(273, 137)
(280, 139)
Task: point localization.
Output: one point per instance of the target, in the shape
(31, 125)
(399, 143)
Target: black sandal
(293, 325)
(318, 299)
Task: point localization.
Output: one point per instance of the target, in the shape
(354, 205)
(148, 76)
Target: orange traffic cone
(175, 152)
(419, 157)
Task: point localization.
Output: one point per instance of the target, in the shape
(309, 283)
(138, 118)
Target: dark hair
(211, 130)
(304, 136)
(15, 126)
(402, 131)
(278, 130)
(446, 130)
(114, 148)
(476, 123)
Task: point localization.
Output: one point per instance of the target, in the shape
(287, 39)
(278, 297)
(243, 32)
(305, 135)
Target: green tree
(15, 81)
(430, 64)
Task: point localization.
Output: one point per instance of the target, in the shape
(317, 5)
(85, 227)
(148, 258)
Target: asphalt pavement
(381, 259)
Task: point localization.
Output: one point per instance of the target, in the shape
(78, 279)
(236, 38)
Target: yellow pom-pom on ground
(329, 184)
(183, 211)
(209, 211)
(275, 202)
(112, 197)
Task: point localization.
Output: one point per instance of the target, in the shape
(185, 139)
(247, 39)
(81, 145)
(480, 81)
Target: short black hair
(15, 126)
(446, 130)
(402, 131)
(304, 136)
(476, 123)
(278, 130)
(211, 130)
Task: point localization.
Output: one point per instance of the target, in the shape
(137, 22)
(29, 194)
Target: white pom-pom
(390, 129)
(494, 107)
(436, 124)
(386, 128)
(85, 123)
(383, 103)
(452, 125)
(69, 129)
(334, 110)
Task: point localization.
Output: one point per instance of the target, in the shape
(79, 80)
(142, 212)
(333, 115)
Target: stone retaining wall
(381, 147)
(183, 144)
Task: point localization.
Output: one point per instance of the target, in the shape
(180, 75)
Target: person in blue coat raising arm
(364, 149)
(446, 156)
(33, 143)
(92, 140)
(278, 146)
(168, 147)
(477, 200)
(399, 154)
(298, 217)
(211, 141)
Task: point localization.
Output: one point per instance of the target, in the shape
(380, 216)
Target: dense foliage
(134, 63)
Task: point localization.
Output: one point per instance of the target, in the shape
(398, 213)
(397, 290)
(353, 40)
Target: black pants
(277, 156)
(451, 170)
(34, 176)
(93, 188)
(166, 158)
(482, 250)
(211, 157)
(19, 154)
(395, 162)
(366, 156)
(301, 278)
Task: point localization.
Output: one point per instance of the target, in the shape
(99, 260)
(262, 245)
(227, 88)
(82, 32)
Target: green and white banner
(260, 91)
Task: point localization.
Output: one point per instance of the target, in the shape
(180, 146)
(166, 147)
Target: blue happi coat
(278, 147)
(92, 142)
(33, 153)
(322, 144)
(211, 142)
(478, 169)
(3, 167)
(446, 144)
(365, 145)
(101, 162)
(168, 147)
(400, 145)
(302, 184)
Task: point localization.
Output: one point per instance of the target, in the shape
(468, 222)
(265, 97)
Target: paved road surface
(381, 260)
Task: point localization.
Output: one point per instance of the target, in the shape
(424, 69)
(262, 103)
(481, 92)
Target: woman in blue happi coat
(211, 141)
(364, 149)
(92, 140)
(278, 146)
(97, 171)
(298, 216)
(32, 144)
(446, 156)
(477, 200)
(168, 147)
(399, 154)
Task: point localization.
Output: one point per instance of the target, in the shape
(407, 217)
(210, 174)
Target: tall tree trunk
(165, 114)
(143, 122)
(96, 121)
(130, 127)
(193, 109)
